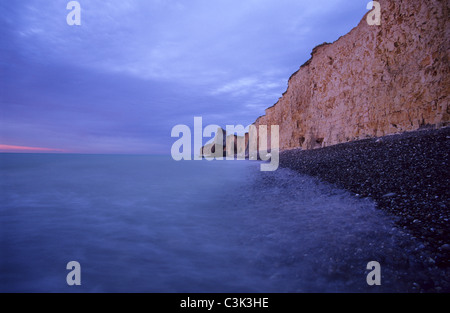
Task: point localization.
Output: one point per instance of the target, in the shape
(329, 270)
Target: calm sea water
(150, 224)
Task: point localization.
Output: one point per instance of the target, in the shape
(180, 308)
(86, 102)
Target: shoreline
(406, 174)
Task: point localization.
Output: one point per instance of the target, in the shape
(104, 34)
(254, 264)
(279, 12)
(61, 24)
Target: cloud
(134, 69)
(250, 86)
(169, 39)
(9, 148)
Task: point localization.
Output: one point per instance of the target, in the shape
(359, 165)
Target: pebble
(406, 175)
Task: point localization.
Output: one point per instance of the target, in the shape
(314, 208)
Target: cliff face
(226, 145)
(374, 81)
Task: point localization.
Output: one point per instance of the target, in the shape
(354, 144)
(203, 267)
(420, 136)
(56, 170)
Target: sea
(140, 223)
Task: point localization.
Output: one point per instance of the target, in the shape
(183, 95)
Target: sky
(134, 69)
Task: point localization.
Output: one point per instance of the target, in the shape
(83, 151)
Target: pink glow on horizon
(10, 148)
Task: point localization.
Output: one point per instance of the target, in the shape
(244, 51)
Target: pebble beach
(406, 174)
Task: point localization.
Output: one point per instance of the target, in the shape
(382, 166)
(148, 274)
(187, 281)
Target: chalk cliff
(374, 81)
(225, 144)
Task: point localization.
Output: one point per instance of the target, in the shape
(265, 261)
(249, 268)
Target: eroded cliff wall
(374, 81)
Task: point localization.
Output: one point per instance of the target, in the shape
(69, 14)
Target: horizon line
(13, 149)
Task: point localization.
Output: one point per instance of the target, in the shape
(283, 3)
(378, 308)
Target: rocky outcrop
(226, 145)
(374, 81)
(217, 147)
